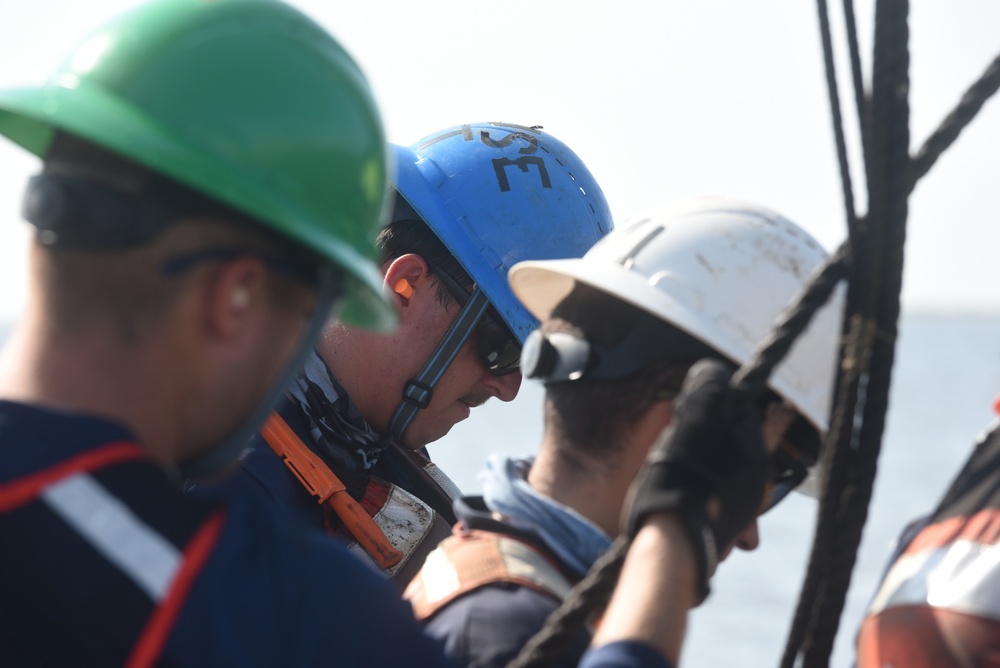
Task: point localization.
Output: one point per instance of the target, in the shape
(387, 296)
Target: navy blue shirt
(104, 561)
(95, 561)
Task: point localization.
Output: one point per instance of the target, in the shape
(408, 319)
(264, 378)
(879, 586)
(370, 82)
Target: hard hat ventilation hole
(628, 259)
(591, 207)
(558, 161)
(583, 191)
(571, 175)
(547, 151)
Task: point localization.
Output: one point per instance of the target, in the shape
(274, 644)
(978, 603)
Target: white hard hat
(720, 270)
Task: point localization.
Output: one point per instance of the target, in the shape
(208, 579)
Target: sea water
(946, 374)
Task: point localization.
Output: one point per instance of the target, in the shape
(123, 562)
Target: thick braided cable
(856, 76)
(588, 597)
(955, 122)
(872, 315)
(838, 121)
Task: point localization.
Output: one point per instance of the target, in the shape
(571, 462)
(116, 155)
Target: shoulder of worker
(210, 582)
(942, 580)
(489, 626)
(275, 593)
(260, 472)
(506, 587)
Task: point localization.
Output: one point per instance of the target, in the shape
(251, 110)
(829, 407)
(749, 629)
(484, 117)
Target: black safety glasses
(787, 474)
(498, 348)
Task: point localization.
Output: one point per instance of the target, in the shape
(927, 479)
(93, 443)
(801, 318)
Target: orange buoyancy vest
(468, 560)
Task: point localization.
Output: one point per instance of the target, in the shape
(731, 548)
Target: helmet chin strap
(418, 391)
(329, 289)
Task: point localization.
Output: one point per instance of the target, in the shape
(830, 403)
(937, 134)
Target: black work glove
(713, 448)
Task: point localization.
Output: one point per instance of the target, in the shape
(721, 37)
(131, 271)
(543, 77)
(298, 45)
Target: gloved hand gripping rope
(710, 467)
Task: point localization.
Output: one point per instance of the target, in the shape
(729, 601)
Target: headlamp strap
(418, 391)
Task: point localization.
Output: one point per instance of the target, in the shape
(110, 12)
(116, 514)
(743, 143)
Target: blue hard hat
(497, 194)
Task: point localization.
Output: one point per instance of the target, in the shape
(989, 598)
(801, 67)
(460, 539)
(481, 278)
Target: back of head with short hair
(590, 416)
(127, 289)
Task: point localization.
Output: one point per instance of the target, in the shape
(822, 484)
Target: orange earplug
(403, 288)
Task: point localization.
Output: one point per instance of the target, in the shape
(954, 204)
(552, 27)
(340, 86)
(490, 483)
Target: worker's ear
(236, 298)
(408, 282)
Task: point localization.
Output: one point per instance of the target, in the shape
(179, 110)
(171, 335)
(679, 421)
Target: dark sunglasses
(499, 350)
(788, 473)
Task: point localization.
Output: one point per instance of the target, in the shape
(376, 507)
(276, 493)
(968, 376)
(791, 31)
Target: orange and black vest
(382, 522)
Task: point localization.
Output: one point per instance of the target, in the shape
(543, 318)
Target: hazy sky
(660, 99)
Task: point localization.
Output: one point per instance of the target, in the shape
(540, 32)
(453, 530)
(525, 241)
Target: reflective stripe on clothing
(939, 602)
(146, 557)
(954, 564)
(26, 489)
(132, 561)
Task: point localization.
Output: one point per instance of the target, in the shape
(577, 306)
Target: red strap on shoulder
(148, 648)
(25, 490)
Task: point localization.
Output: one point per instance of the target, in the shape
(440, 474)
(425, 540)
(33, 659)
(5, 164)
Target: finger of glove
(739, 495)
(665, 485)
(716, 428)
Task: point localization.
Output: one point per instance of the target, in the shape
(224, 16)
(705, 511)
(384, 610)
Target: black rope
(590, 596)
(753, 375)
(872, 312)
(955, 122)
(856, 76)
(838, 122)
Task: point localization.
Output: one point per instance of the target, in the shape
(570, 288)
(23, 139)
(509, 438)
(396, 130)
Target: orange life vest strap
(322, 483)
(468, 560)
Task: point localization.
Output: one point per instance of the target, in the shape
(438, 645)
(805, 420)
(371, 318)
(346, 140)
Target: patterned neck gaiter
(336, 425)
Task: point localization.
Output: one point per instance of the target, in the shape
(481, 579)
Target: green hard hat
(247, 101)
